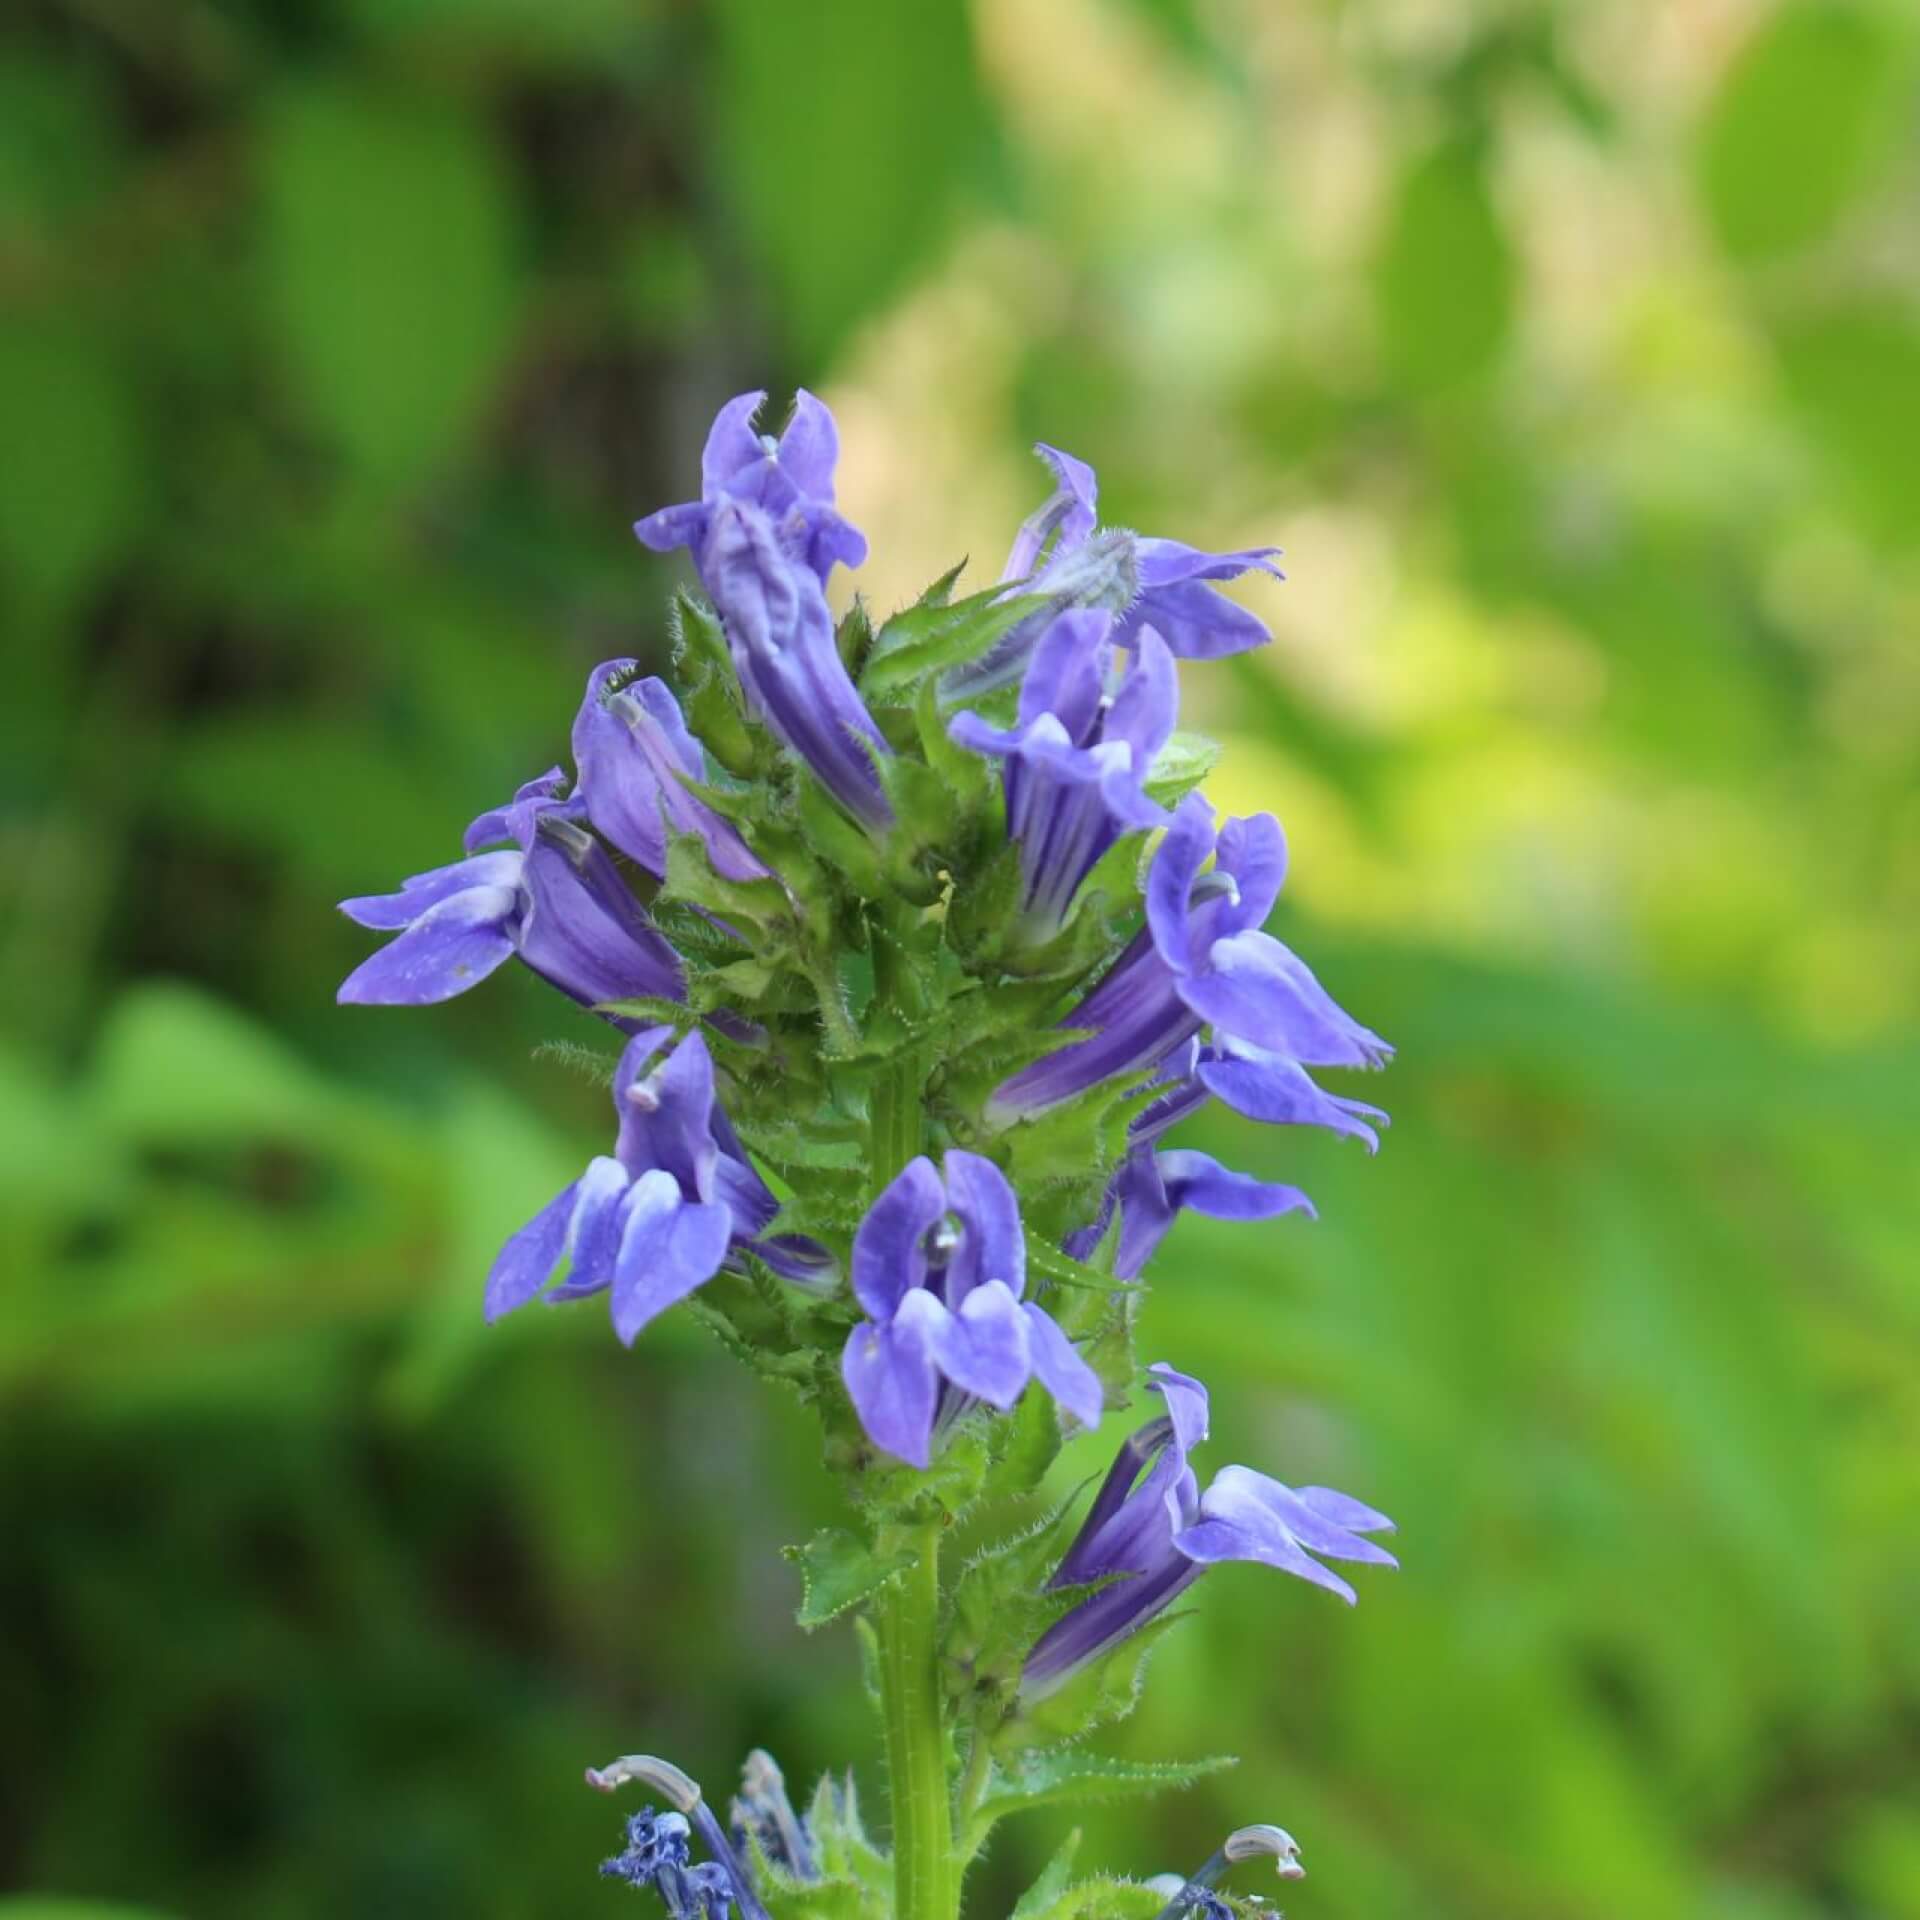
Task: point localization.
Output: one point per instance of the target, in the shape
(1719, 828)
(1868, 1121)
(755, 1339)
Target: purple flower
(1151, 1533)
(660, 1216)
(940, 1269)
(635, 758)
(1065, 517)
(558, 902)
(1076, 760)
(1271, 1087)
(1151, 1190)
(1201, 960)
(1146, 582)
(790, 480)
(764, 536)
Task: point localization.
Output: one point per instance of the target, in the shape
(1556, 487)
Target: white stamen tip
(662, 1776)
(1276, 1843)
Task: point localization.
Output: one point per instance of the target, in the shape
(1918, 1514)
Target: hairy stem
(908, 1618)
(973, 1785)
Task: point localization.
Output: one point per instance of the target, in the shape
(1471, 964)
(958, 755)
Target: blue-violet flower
(1145, 582)
(940, 1268)
(764, 536)
(558, 902)
(1151, 1533)
(1201, 960)
(1075, 763)
(660, 1216)
(635, 756)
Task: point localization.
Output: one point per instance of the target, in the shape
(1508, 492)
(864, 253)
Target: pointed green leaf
(931, 639)
(1052, 1883)
(1180, 766)
(1069, 1775)
(1105, 1898)
(838, 1571)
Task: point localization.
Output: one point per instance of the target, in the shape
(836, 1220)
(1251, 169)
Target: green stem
(898, 1117)
(973, 1785)
(926, 1883)
(908, 1618)
(897, 1122)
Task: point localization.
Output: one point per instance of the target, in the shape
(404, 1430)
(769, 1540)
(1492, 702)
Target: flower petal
(583, 930)
(810, 447)
(1195, 622)
(890, 1379)
(1068, 511)
(526, 1263)
(389, 912)
(1258, 990)
(1067, 674)
(517, 820)
(1187, 1404)
(451, 947)
(1253, 851)
(1344, 1511)
(889, 1250)
(1209, 1542)
(731, 443)
(1196, 1180)
(1058, 1367)
(684, 525)
(798, 1259)
(1148, 702)
(1170, 881)
(981, 1345)
(667, 1249)
(992, 1245)
(1166, 562)
(1272, 1088)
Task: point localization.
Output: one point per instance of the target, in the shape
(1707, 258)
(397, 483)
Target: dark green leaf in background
(848, 131)
(389, 262)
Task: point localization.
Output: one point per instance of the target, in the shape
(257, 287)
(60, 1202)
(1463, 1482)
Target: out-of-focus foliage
(1574, 354)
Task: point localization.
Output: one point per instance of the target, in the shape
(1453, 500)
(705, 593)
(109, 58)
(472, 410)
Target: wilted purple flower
(1201, 960)
(1194, 1898)
(764, 536)
(635, 757)
(660, 1216)
(1064, 518)
(762, 1818)
(658, 1848)
(1153, 1539)
(558, 902)
(1076, 761)
(658, 1854)
(1161, 584)
(940, 1269)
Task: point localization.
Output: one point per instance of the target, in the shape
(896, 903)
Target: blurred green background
(1573, 354)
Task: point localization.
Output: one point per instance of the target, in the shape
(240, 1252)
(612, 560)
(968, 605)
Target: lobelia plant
(921, 938)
